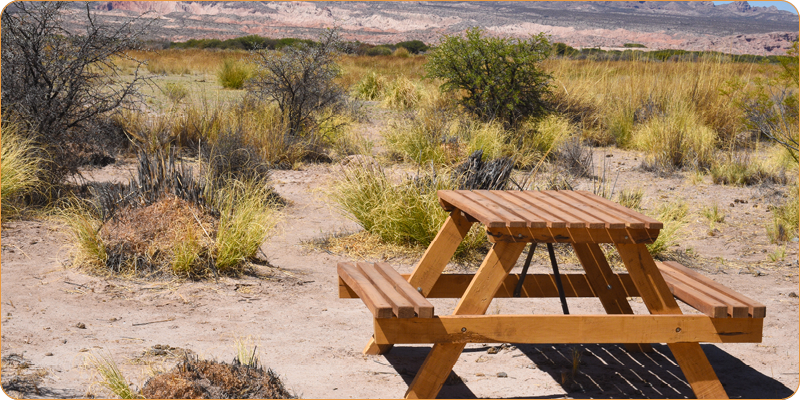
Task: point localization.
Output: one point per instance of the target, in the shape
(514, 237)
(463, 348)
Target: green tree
(501, 77)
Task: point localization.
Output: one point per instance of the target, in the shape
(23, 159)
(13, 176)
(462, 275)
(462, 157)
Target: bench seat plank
(689, 283)
(384, 291)
(368, 293)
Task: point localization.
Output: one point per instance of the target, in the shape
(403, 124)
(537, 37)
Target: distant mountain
(691, 25)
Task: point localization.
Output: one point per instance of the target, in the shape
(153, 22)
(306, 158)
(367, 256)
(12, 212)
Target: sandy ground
(53, 315)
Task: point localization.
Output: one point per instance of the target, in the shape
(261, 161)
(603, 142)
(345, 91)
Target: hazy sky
(781, 5)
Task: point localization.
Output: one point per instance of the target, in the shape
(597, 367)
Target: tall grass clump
(111, 377)
(233, 74)
(741, 169)
(370, 87)
(400, 93)
(247, 217)
(405, 212)
(674, 215)
(784, 224)
(20, 167)
(676, 139)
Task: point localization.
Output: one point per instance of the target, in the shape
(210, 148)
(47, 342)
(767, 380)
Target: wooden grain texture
(540, 203)
(422, 307)
(453, 286)
(700, 299)
(440, 361)
(455, 199)
(613, 218)
(572, 235)
(556, 200)
(714, 289)
(401, 307)
(569, 329)
(531, 219)
(649, 223)
(368, 293)
(612, 295)
(537, 215)
(658, 299)
(498, 209)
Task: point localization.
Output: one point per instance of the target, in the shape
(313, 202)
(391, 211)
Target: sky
(781, 5)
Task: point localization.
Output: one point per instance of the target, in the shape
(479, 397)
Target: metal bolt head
(677, 329)
(626, 238)
(463, 329)
(608, 287)
(419, 289)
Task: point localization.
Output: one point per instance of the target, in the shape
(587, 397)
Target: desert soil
(54, 315)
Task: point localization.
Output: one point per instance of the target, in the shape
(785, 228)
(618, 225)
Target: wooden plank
(755, 309)
(433, 262)
(649, 223)
(401, 307)
(612, 295)
(370, 295)
(658, 299)
(443, 356)
(697, 299)
(533, 199)
(459, 201)
(550, 221)
(613, 220)
(453, 286)
(567, 329)
(510, 218)
(531, 219)
(551, 197)
(421, 305)
(572, 235)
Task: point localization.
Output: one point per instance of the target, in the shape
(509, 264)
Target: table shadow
(408, 360)
(610, 371)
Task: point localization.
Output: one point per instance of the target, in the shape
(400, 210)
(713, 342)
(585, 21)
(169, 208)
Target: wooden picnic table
(512, 220)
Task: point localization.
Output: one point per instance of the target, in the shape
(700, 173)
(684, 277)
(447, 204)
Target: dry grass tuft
(193, 378)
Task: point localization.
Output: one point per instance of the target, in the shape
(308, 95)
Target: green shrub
(675, 140)
(233, 74)
(379, 51)
(401, 94)
(500, 77)
(739, 169)
(401, 52)
(176, 92)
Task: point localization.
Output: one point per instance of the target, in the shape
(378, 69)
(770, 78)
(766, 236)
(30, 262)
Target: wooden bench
(707, 296)
(384, 291)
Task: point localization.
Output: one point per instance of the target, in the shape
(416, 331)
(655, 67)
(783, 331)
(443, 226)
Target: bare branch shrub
(300, 80)
(62, 83)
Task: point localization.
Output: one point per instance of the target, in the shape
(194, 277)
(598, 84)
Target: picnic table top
(544, 209)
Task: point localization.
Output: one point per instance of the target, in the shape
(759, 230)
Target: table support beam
(443, 356)
(658, 299)
(606, 285)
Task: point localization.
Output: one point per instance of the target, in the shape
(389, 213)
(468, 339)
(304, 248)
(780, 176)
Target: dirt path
(53, 316)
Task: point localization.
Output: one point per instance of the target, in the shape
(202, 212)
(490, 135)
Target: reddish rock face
(690, 25)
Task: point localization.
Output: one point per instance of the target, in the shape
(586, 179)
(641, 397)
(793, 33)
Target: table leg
(433, 262)
(609, 290)
(659, 300)
(476, 300)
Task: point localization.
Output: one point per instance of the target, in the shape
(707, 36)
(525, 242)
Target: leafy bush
(501, 77)
(233, 74)
(379, 51)
(414, 46)
(401, 52)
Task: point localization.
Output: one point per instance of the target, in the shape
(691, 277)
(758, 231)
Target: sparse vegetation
(785, 221)
(233, 74)
(111, 377)
(20, 168)
(674, 216)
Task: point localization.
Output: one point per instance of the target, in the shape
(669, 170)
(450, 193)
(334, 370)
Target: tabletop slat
(549, 208)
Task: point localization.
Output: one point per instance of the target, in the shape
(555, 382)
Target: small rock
(64, 341)
(482, 359)
(83, 350)
(480, 374)
(492, 350)
(80, 325)
(502, 375)
(793, 295)
(48, 354)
